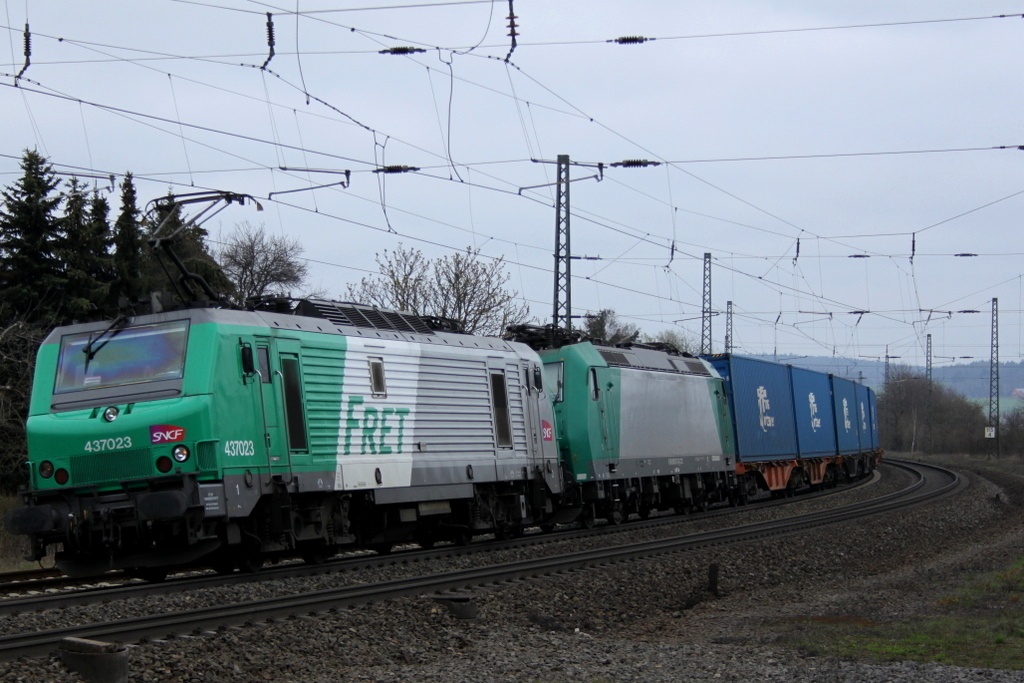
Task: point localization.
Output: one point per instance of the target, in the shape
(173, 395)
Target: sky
(836, 159)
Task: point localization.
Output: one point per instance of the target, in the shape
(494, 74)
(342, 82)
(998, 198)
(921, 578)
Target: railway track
(930, 482)
(47, 589)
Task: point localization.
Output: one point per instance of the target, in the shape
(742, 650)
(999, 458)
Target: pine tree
(129, 247)
(85, 252)
(31, 276)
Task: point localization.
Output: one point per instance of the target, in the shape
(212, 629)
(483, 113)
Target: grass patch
(981, 625)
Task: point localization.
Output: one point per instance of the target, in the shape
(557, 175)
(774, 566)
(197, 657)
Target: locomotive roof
(352, 320)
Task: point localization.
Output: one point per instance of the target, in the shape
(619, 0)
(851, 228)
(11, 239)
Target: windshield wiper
(91, 349)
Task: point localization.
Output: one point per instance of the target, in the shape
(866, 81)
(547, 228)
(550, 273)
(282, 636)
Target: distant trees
(605, 327)
(914, 415)
(459, 286)
(258, 264)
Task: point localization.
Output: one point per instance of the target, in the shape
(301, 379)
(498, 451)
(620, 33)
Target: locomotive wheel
(317, 553)
(547, 528)
(586, 518)
(250, 562)
(463, 536)
(150, 574)
(617, 516)
(222, 562)
(427, 542)
(382, 548)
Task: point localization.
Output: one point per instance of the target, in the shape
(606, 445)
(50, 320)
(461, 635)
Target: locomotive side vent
(614, 357)
(363, 316)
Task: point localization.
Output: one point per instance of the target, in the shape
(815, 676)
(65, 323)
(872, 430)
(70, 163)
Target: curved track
(930, 483)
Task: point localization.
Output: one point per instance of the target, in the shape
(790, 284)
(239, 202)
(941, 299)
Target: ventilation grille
(614, 357)
(206, 452)
(112, 466)
(363, 316)
(694, 367)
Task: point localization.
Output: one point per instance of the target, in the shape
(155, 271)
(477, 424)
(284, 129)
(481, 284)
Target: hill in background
(969, 379)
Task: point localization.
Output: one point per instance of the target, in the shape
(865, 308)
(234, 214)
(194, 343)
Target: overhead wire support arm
(343, 184)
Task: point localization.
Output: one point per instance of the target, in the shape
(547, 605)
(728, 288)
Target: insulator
(631, 40)
(270, 29)
(28, 42)
(636, 163)
(401, 50)
(396, 169)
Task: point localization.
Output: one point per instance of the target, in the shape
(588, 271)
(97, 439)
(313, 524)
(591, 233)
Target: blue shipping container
(863, 418)
(812, 404)
(844, 400)
(761, 398)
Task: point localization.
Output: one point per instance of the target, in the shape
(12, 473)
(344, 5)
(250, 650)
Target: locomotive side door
(531, 407)
(283, 403)
(270, 405)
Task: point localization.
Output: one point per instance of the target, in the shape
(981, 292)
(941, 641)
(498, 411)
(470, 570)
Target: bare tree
(605, 327)
(680, 340)
(459, 286)
(402, 283)
(259, 264)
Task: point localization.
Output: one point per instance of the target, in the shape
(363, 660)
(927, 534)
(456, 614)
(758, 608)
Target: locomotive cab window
(120, 356)
(378, 386)
(499, 399)
(595, 390)
(553, 379)
(294, 413)
(263, 364)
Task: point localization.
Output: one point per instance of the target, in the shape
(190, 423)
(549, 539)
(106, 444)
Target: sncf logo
(166, 434)
(547, 430)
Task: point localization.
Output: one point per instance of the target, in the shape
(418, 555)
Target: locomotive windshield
(119, 356)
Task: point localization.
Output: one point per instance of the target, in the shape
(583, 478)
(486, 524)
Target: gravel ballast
(650, 620)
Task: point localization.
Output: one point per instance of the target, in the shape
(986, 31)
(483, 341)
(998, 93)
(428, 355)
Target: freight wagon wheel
(644, 512)
(427, 542)
(547, 528)
(681, 508)
(382, 548)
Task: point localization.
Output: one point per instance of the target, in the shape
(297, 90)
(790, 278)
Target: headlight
(111, 413)
(46, 469)
(180, 453)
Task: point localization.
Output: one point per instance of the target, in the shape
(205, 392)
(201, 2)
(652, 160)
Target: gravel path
(650, 620)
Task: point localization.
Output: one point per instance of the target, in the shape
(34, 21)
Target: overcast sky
(895, 110)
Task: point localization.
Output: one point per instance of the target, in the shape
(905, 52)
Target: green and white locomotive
(640, 429)
(238, 435)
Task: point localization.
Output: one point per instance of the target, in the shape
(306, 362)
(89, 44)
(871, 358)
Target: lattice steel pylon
(562, 317)
(705, 315)
(728, 327)
(993, 387)
(928, 361)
